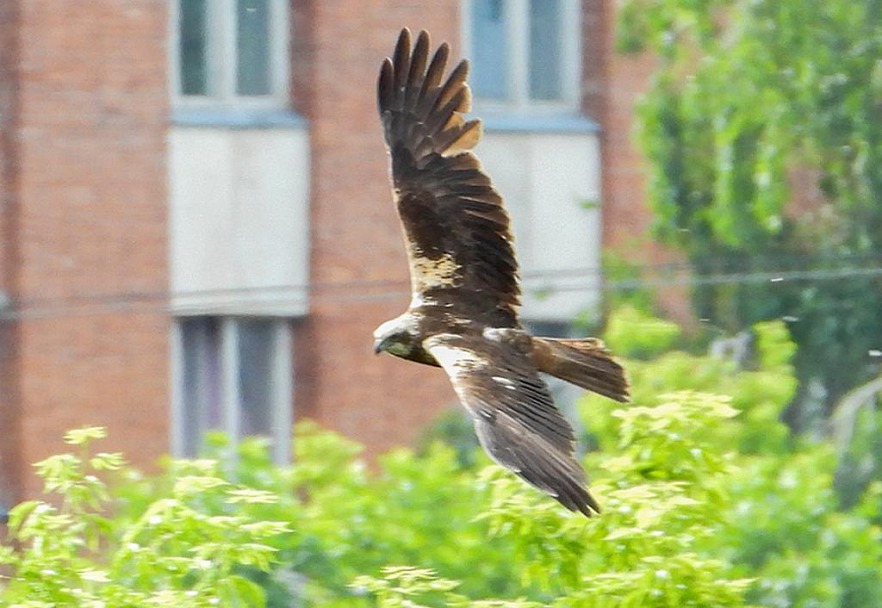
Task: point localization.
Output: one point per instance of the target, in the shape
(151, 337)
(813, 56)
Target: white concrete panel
(239, 220)
(549, 181)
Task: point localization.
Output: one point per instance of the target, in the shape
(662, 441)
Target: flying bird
(464, 281)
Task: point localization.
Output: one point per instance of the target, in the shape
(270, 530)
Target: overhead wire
(588, 279)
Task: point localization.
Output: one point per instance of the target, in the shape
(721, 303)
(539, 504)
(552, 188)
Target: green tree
(179, 549)
(709, 500)
(756, 103)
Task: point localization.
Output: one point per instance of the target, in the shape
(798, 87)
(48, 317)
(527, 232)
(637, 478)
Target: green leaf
(85, 435)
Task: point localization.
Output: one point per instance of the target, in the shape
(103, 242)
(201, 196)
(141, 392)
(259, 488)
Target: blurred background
(196, 230)
(197, 239)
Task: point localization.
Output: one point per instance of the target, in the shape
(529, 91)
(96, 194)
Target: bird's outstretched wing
(514, 416)
(456, 230)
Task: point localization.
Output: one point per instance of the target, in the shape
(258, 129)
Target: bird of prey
(464, 280)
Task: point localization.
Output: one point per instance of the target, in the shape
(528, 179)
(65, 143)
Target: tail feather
(584, 362)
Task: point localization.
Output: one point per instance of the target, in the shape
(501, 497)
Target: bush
(176, 551)
(708, 501)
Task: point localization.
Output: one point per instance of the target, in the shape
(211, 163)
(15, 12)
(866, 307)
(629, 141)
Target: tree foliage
(708, 500)
(763, 127)
(176, 550)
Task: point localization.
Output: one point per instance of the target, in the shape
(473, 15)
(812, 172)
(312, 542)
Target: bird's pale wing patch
(514, 415)
(433, 273)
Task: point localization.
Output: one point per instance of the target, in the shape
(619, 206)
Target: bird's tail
(584, 362)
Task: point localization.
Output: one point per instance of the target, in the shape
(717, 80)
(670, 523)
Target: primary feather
(456, 230)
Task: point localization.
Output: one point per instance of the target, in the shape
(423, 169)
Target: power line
(374, 290)
(752, 277)
(666, 269)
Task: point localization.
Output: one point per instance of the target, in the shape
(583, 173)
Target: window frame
(282, 384)
(517, 24)
(222, 59)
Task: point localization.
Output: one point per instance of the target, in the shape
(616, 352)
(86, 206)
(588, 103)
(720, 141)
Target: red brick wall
(379, 400)
(594, 49)
(626, 218)
(91, 190)
(9, 431)
(626, 77)
(626, 215)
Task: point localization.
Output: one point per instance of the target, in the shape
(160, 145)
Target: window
(232, 374)
(230, 52)
(524, 53)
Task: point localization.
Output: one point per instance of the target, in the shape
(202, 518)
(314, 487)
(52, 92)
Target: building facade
(197, 230)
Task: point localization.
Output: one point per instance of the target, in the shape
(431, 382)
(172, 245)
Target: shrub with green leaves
(73, 552)
(708, 501)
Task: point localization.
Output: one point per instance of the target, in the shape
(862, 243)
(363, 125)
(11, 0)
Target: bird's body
(464, 282)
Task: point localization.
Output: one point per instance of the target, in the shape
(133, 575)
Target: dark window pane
(546, 54)
(193, 44)
(200, 346)
(253, 46)
(489, 50)
(256, 359)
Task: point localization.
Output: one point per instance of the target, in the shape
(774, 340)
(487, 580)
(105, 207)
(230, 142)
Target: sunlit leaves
(401, 587)
(406, 587)
(175, 552)
(707, 501)
(84, 436)
(652, 337)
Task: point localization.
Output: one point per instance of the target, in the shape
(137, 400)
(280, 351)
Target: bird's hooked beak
(379, 345)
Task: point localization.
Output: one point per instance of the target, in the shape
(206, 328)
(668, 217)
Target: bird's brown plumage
(457, 233)
(514, 415)
(464, 279)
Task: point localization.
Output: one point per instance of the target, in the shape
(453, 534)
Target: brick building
(196, 224)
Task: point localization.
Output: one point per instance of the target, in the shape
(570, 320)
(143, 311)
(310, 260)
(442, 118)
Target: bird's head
(397, 337)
